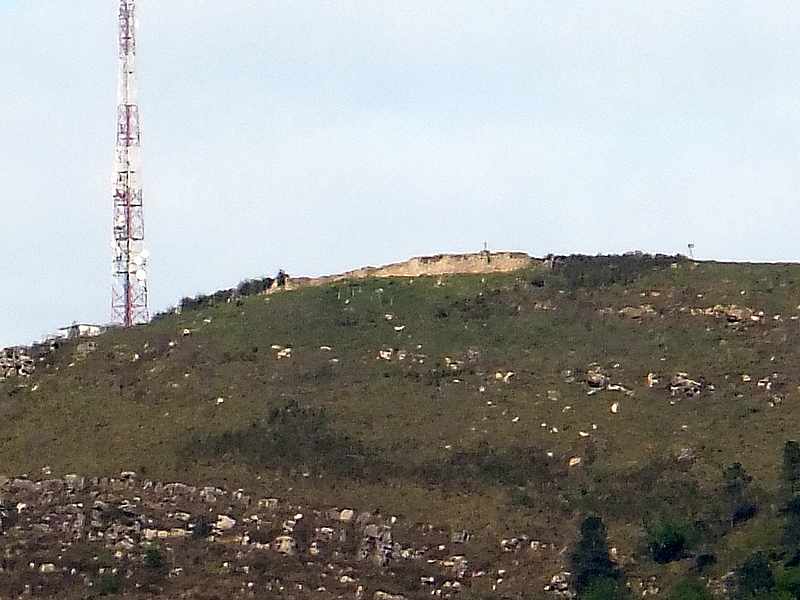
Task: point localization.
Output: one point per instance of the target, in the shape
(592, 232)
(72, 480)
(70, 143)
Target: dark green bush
(494, 303)
(582, 271)
(107, 584)
(668, 539)
(201, 527)
(293, 437)
(754, 577)
(787, 581)
(739, 506)
(486, 465)
(155, 557)
(251, 287)
(689, 589)
(605, 588)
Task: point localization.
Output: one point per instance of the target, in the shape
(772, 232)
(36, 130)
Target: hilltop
(479, 411)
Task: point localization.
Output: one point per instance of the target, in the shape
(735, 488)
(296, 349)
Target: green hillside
(458, 400)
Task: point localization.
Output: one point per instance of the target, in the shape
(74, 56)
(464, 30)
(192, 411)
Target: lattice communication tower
(129, 294)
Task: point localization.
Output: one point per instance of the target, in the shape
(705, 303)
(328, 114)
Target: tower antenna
(129, 292)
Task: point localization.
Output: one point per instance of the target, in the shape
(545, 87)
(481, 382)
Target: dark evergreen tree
(589, 559)
(791, 468)
(738, 497)
(790, 542)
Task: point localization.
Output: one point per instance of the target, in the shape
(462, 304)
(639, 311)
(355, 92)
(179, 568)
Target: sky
(322, 136)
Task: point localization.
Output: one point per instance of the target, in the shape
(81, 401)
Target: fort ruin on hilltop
(440, 264)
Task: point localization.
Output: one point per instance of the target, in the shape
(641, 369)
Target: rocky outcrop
(107, 535)
(682, 385)
(15, 362)
(732, 313)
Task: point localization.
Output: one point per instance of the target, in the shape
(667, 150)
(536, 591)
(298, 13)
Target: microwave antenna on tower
(129, 293)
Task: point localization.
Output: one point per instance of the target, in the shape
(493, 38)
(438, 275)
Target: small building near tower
(79, 330)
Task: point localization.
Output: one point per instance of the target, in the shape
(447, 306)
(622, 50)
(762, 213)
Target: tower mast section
(129, 293)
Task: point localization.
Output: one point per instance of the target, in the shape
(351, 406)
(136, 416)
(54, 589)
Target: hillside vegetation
(623, 387)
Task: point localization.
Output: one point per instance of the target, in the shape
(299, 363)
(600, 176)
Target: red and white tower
(129, 294)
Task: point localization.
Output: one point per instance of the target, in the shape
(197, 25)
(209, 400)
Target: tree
(589, 559)
(791, 467)
(738, 505)
(790, 542)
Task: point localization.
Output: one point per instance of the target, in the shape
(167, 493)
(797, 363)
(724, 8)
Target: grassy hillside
(458, 400)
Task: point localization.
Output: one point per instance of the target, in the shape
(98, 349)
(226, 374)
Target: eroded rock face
(164, 540)
(15, 362)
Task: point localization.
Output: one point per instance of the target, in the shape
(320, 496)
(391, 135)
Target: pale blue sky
(324, 136)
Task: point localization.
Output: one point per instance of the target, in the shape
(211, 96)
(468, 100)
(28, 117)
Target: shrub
(787, 581)
(249, 287)
(754, 577)
(668, 540)
(515, 466)
(605, 588)
(582, 271)
(737, 494)
(702, 561)
(107, 584)
(689, 589)
(201, 528)
(293, 437)
(485, 305)
(154, 557)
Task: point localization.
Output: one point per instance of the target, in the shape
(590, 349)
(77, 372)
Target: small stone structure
(79, 330)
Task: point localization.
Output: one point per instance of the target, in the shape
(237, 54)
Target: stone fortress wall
(440, 264)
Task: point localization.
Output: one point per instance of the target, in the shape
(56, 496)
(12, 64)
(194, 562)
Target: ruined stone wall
(439, 264)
